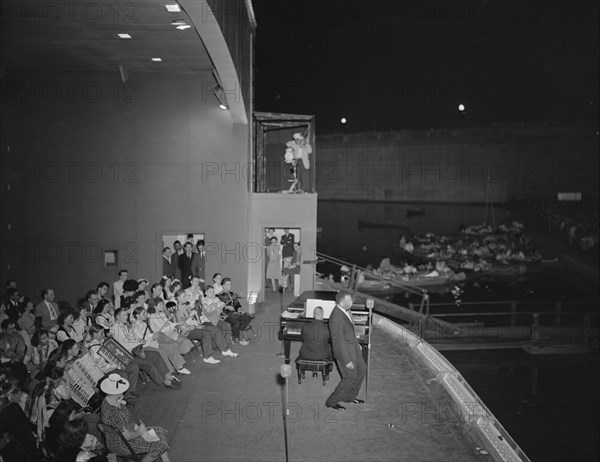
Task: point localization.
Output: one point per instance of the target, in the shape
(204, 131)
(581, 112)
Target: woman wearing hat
(150, 441)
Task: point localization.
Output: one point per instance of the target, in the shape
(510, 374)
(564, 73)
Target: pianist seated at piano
(315, 338)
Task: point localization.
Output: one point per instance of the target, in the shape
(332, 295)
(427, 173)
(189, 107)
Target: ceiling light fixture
(157, 60)
(124, 36)
(221, 96)
(180, 24)
(173, 8)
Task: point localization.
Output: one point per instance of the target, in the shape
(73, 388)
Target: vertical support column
(535, 327)
(557, 314)
(513, 313)
(587, 327)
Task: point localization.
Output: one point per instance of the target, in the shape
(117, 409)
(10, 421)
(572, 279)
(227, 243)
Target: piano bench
(324, 367)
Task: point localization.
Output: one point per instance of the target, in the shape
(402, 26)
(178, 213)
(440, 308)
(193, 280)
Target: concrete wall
(89, 165)
(282, 211)
(452, 165)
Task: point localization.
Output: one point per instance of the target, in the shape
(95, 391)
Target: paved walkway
(232, 411)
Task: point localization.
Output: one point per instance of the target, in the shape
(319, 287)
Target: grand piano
(294, 318)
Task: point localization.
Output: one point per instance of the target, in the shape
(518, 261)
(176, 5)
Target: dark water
(549, 404)
(343, 238)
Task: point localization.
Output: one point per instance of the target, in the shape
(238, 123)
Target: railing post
(513, 313)
(535, 327)
(557, 314)
(587, 327)
(411, 306)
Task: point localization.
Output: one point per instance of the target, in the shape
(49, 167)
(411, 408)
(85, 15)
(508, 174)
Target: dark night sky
(388, 65)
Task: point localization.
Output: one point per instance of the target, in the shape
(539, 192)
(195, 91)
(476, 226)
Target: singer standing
(347, 353)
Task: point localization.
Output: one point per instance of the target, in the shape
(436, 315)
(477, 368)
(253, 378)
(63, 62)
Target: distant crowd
(576, 221)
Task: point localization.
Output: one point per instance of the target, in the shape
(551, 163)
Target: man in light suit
(47, 309)
(347, 353)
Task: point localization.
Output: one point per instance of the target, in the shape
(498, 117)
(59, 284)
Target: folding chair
(104, 428)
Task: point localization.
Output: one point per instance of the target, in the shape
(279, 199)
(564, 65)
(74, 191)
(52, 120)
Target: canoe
(391, 285)
(411, 212)
(375, 224)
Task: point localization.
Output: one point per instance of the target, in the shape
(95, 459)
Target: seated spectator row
(69, 377)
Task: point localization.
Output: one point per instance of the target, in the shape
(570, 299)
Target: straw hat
(114, 384)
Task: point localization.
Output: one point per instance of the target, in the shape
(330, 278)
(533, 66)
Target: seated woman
(65, 327)
(139, 300)
(172, 290)
(212, 308)
(104, 315)
(27, 319)
(217, 287)
(159, 322)
(150, 361)
(75, 444)
(130, 372)
(42, 347)
(168, 349)
(189, 325)
(233, 311)
(65, 412)
(82, 323)
(212, 324)
(115, 413)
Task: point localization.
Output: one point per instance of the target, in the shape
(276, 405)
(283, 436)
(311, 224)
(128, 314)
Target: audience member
(234, 315)
(115, 413)
(47, 309)
(118, 287)
(189, 325)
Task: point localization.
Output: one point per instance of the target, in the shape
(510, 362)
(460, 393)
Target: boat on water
(377, 224)
(413, 211)
(399, 284)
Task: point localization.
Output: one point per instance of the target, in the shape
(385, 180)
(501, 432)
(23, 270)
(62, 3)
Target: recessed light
(157, 60)
(179, 22)
(124, 36)
(184, 27)
(174, 8)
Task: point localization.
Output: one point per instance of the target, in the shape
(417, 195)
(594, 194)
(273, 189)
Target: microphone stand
(281, 310)
(286, 371)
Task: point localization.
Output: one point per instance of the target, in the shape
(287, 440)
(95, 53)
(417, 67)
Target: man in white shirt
(118, 287)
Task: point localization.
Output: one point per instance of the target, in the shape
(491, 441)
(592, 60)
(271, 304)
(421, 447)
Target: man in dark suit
(177, 252)
(167, 263)
(47, 309)
(186, 263)
(315, 338)
(12, 305)
(347, 353)
(199, 264)
(287, 243)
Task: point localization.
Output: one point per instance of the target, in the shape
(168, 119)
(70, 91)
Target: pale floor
(232, 411)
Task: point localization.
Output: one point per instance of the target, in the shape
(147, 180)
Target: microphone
(286, 371)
